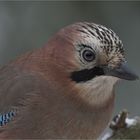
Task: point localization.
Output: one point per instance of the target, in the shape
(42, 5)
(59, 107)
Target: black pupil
(88, 55)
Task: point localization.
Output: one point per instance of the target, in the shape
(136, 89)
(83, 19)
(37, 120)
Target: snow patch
(131, 122)
(107, 135)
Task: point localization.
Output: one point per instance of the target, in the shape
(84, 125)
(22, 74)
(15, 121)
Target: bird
(66, 88)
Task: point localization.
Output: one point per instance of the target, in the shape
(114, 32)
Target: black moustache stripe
(86, 74)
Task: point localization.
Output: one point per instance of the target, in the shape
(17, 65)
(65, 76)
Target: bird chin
(98, 90)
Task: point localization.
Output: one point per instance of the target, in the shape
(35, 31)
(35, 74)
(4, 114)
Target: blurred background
(28, 25)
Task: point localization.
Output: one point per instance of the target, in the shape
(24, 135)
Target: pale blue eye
(89, 55)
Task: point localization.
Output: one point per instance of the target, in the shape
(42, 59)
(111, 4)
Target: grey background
(28, 25)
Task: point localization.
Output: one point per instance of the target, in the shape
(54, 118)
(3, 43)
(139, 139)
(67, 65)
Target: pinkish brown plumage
(65, 89)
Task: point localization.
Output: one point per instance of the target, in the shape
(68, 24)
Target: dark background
(28, 25)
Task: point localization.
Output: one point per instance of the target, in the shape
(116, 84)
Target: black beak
(122, 72)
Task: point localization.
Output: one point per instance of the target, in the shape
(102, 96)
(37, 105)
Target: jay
(64, 89)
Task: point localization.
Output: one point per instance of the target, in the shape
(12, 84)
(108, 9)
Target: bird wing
(29, 94)
(16, 86)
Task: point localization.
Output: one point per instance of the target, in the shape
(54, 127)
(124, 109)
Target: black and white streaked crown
(109, 41)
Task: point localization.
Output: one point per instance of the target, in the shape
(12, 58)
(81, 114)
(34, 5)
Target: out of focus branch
(124, 128)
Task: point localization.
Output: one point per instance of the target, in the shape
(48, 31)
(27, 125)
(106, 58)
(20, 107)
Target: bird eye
(88, 55)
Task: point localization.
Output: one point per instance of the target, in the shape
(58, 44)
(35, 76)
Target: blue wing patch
(5, 118)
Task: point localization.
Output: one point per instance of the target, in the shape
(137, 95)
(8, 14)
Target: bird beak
(122, 72)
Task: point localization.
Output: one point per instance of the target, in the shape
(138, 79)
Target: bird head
(93, 58)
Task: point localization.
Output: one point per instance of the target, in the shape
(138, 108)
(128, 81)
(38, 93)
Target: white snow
(107, 135)
(131, 122)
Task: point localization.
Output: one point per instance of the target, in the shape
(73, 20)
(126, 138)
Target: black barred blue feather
(5, 118)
